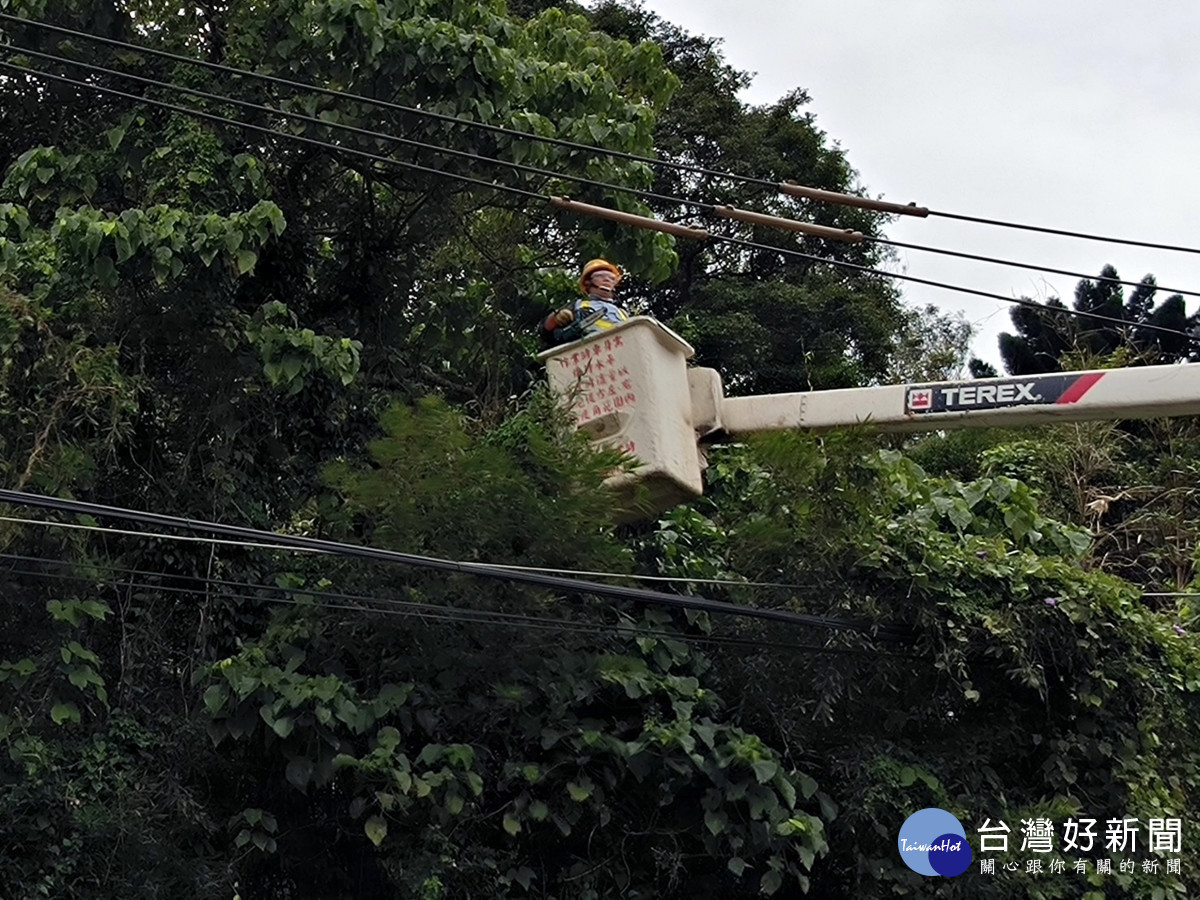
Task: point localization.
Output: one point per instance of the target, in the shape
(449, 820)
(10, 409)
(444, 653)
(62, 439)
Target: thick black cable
(531, 195)
(624, 576)
(415, 607)
(409, 608)
(1074, 234)
(1020, 265)
(515, 166)
(237, 123)
(434, 613)
(513, 132)
(387, 104)
(1032, 304)
(521, 167)
(364, 132)
(553, 582)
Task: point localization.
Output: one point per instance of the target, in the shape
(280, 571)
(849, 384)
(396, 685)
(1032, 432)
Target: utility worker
(595, 313)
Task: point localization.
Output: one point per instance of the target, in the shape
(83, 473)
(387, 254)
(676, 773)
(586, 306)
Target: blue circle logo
(933, 842)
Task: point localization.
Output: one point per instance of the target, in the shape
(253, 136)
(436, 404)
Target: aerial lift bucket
(631, 388)
(628, 387)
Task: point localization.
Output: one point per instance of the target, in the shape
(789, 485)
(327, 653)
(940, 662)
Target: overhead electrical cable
(436, 612)
(911, 209)
(673, 579)
(237, 123)
(79, 526)
(726, 211)
(789, 188)
(253, 545)
(588, 209)
(390, 606)
(825, 231)
(385, 104)
(1075, 234)
(536, 579)
(1016, 301)
(405, 607)
(352, 129)
(1023, 265)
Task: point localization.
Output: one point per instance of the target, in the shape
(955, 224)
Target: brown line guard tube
(799, 190)
(834, 234)
(603, 212)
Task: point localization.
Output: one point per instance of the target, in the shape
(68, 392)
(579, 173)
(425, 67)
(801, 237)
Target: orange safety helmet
(595, 265)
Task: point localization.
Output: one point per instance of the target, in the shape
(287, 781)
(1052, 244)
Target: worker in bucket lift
(595, 313)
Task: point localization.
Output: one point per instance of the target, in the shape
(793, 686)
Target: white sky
(1082, 115)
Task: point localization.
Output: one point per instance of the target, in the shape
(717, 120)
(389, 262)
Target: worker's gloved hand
(564, 317)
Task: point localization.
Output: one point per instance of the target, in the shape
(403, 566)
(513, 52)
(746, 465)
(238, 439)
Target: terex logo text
(933, 842)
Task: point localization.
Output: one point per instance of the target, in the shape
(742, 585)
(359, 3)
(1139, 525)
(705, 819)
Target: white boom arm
(1026, 400)
(631, 388)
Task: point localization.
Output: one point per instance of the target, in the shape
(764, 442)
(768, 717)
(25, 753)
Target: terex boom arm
(1031, 399)
(631, 388)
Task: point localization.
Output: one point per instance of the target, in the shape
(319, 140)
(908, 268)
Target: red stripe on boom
(1081, 386)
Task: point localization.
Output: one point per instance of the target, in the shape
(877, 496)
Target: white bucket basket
(628, 387)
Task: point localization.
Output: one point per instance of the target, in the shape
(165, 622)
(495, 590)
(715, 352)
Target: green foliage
(495, 772)
(54, 380)
(290, 353)
(1129, 484)
(1038, 681)
(195, 321)
(98, 814)
(91, 804)
(429, 786)
(429, 471)
(770, 335)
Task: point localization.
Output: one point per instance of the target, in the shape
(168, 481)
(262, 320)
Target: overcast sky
(1076, 115)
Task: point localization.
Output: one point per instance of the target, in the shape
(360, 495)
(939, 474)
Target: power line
(364, 132)
(627, 576)
(387, 104)
(672, 579)
(1018, 301)
(1074, 234)
(533, 170)
(725, 211)
(405, 607)
(555, 582)
(794, 190)
(422, 611)
(254, 545)
(223, 120)
(1021, 265)
(532, 195)
(911, 209)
